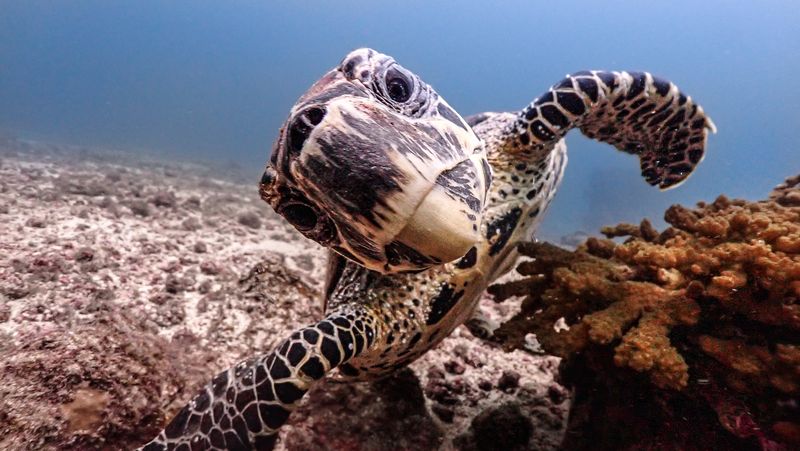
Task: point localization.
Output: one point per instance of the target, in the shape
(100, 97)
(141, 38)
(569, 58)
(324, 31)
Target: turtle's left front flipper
(244, 407)
(635, 112)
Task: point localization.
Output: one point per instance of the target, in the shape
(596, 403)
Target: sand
(127, 282)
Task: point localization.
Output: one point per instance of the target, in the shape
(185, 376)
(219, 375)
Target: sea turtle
(422, 210)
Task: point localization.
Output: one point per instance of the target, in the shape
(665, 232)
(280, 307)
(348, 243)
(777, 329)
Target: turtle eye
(399, 85)
(301, 216)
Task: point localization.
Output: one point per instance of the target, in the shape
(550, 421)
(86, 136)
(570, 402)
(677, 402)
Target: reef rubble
(688, 338)
(128, 281)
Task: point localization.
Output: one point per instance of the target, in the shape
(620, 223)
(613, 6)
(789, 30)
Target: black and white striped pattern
(243, 407)
(635, 112)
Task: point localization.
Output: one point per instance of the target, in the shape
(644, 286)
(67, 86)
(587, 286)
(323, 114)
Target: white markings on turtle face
(374, 136)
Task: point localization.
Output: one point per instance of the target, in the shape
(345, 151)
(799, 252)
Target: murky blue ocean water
(205, 80)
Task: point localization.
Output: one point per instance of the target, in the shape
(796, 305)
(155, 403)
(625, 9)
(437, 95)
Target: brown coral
(707, 310)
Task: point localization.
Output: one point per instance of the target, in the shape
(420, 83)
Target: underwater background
(137, 258)
(199, 79)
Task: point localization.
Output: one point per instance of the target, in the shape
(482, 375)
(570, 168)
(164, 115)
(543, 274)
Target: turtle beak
(266, 185)
(333, 84)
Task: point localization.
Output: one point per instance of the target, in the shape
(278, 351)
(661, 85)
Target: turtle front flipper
(636, 112)
(244, 407)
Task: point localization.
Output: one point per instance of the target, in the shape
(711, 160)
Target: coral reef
(688, 338)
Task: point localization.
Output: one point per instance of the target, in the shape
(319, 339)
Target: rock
(250, 219)
(454, 367)
(200, 247)
(108, 203)
(457, 385)
(175, 284)
(170, 313)
(37, 223)
(444, 413)
(140, 208)
(49, 195)
(437, 390)
(187, 260)
(557, 394)
(47, 267)
(435, 373)
(5, 314)
(83, 254)
(508, 381)
(172, 266)
(209, 268)
(204, 287)
(114, 177)
(160, 298)
(191, 224)
(193, 202)
(502, 428)
(164, 199)
(17, 292)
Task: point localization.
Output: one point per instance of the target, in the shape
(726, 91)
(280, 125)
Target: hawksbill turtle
(421, 209)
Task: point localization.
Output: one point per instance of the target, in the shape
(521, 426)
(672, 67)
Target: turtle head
(375, 165)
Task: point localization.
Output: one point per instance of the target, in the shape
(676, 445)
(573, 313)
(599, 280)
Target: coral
(88, 386)
(702, 319)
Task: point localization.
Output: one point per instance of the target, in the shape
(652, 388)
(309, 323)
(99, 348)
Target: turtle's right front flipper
(244, 407)
(635, 112)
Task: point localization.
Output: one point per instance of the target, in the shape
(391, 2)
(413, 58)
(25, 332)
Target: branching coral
(708, 310)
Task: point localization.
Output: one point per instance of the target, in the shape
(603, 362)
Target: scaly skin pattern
(381, 322)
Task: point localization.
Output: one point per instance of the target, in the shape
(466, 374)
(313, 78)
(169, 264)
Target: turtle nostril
(302, 125)
(315, 115)
(298, 133)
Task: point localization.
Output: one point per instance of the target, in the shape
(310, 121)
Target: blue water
(210, 81)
